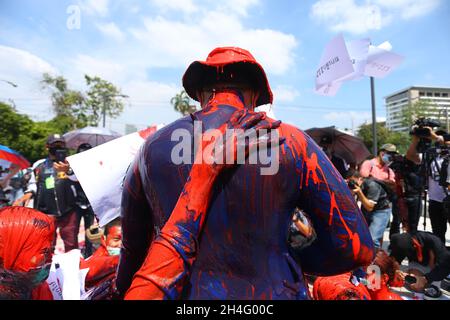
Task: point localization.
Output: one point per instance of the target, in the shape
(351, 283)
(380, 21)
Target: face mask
(52, 150)
(387, 159)
(113, 251)
(41, 275)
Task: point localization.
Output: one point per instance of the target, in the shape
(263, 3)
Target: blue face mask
(387, 159)
(113, 251)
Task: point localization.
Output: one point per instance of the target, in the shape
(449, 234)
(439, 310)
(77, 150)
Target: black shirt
(375, 192)
(54, 195)
(412, 178)
(429, 242)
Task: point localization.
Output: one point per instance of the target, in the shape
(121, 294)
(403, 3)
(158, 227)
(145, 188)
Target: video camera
(421, 129)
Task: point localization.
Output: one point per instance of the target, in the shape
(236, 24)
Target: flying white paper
(329, 89)
(335, 63)
(373, 61)
(381, 62)
(358, 51)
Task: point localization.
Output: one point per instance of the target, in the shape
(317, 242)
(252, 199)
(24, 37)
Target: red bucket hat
(227, 63)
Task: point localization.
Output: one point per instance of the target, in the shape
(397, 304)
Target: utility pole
(446, 115)
(104, 111)
(374, 117)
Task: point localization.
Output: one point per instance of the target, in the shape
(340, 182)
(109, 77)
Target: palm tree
(182, 103)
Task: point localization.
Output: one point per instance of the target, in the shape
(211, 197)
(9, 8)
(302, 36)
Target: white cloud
(186, 6)
(284, 93)
(169, 41)
(16, 61)
(410, 8)
(106, 69)
(95, 7)
(150, 92)
(239, 7)
(25, 70)
(111, 30)
(148, 103)
(347, 117)
(162, 39)
(359, 17)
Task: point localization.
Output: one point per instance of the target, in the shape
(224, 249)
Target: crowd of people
(221, 230)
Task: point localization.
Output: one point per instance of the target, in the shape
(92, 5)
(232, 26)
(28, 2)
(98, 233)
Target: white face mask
(113, 251)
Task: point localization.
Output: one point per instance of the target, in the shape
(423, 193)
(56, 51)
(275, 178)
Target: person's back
(243, 251)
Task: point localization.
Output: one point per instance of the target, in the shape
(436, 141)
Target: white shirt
(435, 191)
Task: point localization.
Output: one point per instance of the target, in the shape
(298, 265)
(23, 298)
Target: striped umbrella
(12, 156)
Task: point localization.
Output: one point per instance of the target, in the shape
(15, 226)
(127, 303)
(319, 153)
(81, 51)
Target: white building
(399, 100)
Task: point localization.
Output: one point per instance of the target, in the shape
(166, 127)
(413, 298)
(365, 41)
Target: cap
(389, 147)
(55, 138)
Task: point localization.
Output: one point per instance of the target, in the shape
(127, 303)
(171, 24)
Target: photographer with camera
(375, 203)
(409, 187)
(431, 165)
(378, 167)
(54, 192)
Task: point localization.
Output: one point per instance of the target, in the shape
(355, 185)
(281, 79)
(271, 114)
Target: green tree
(182, 103)
(20, 133)
(102, 96)
(67, 103)
(401, 140)
(420, 108)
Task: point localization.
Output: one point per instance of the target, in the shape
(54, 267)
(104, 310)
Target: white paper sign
(381, 62)
(65, 282)
(335, 63)
(366, 60)
(329, 89)
(358, 51)
(101, 171)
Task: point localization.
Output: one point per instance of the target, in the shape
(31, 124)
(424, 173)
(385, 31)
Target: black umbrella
(92, 135)
(350, 148)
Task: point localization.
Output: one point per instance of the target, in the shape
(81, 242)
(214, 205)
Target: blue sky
(144, 47)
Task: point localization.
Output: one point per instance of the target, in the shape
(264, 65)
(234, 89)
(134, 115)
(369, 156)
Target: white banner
(101, 171)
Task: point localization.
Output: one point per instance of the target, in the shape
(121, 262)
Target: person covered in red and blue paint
(240, 251)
